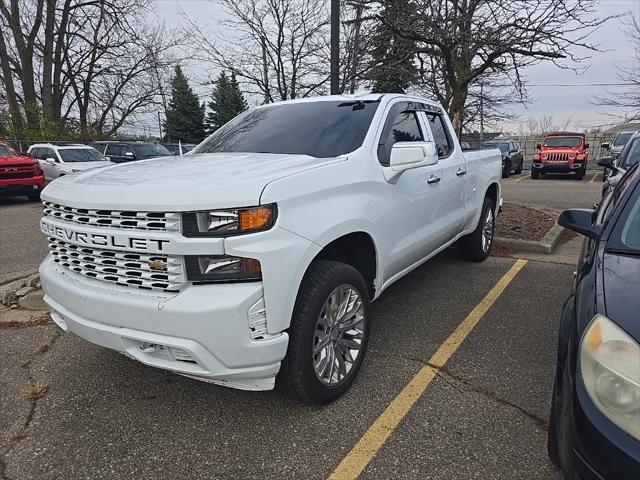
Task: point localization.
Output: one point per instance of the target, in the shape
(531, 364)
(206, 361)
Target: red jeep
(561, 152)
(19, 174)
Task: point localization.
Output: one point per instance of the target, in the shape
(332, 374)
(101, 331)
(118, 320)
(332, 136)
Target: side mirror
(586, 145)
(607, 162)
(408, 155)
(51, 160)
(538, 146)
(129, 155)
(580, 220)
(606, 145)
(108, 159)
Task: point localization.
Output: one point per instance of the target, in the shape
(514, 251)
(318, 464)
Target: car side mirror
(408, 155)
(538, 146)
(580, 220)
(607, 162)
(586, 145)
(108, 159)
(51, 160)
(606, 145)
(129, 155)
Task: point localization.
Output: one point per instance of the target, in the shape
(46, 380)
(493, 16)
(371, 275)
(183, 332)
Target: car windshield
(563, 142)
(319, 129)
(80, 155)
(150, 150)
(6, 151)
(621, 139)
(503, 147)
(631, 154)
(626, 233)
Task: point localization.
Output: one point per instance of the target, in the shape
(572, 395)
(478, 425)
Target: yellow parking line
(521, 178)
(593, 179)
(363, 452)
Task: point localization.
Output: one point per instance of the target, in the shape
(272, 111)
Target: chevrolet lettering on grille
(102, 239)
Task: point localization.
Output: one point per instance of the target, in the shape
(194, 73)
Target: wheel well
(355, 249)
(492, 193)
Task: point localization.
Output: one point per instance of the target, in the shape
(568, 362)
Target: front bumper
(201, 332)
(21, 185)
(601, 450)
(558, 167)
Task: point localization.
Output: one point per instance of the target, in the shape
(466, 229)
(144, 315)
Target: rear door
(114, 152)
(452, 170)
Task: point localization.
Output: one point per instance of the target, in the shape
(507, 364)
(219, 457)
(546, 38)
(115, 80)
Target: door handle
(461, 171)
(433, 179)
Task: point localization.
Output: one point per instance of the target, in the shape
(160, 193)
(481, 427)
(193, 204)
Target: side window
(48, 153)
(115, 150)
(440, 134)
(35, 153)
(401, 126)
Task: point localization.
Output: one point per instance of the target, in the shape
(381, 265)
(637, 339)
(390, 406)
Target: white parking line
(521, 178)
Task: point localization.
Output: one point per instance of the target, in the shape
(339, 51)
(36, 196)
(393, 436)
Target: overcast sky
(574, 101)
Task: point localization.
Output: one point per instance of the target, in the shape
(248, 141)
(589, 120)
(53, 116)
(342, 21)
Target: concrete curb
(546, 245)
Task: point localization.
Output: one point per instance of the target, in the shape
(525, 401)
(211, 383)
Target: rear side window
(440, 134)
(401, 126)
(115, 150)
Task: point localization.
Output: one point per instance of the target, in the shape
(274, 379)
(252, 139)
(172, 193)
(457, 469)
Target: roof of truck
(565, 134)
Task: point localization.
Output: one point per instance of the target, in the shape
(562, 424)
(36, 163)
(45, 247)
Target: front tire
(506, 171)
(519, 169)
(535, 173)
(328, 335)
(580, 173)
(477, 245)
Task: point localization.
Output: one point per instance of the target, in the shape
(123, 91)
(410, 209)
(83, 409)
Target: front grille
(19, 171)
(156, 221)
(128, 269)
(557, 157)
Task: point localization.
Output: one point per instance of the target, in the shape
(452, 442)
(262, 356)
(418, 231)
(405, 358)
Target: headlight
(544, 156)
(222, 268)
(223, 223)
(572, 156)
(610, 369)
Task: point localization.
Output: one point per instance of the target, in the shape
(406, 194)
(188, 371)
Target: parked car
(594, 424)
(174, 148)
(561, 152)
(619, 141)
(120, 152)
(59, 160)
(512, 157)
(618, 166)
(258, 254)
(19, 174)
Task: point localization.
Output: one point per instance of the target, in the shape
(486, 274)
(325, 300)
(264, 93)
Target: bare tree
(627, 101)
(471, 38)
(276, 48)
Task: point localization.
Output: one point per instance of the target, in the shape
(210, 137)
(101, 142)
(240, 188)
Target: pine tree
(226, 102)
(185, 114)
(392, 67)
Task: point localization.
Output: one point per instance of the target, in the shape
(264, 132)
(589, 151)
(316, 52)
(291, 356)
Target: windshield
(563, 142)
(81, 155)
(621, 139)
(626, 233)
(150, 150)
(6, 151)
(503, 147)
(631, 154)
(320, 129)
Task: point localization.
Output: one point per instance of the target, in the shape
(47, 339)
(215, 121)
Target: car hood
(81, 166)
(621, 286)
(193, 182)
(13, 161)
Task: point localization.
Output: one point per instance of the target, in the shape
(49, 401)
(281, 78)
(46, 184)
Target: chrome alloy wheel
(338, 335)
(487, 231)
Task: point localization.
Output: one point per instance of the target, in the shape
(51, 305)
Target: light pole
(335, 47)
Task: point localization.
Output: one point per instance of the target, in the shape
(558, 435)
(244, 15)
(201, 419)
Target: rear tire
(315, 318)
(519, 169)
(477, 245)
(535, 173)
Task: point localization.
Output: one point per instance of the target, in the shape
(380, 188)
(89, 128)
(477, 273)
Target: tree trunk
(47, 62)
(456, 109)
(12, 99)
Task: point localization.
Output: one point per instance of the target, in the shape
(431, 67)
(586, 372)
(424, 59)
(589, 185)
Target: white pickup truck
(256, 256)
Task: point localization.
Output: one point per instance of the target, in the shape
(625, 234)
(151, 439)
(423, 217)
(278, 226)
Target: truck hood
(13, 161)
(193, 182)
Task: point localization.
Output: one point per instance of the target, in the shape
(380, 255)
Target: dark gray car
(619, 141)
(512, 157)
(120, 152)
(618, 166)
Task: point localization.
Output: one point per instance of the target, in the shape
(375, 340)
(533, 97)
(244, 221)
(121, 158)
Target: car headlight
(222, 268)
(544, 156)
(610, 369)
(572, 156)
(227, 222)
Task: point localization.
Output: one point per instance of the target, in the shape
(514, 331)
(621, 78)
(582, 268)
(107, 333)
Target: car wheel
(506, 171)
(328, 335)
(535, 173)
(519, 169)
(477, 245)
(580, 173)
(563, 425)
(552, 434)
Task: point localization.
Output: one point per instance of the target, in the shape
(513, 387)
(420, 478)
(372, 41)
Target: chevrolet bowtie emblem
(158, 265)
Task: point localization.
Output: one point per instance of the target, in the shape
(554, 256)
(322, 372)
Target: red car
(19, 174)
(561, 152)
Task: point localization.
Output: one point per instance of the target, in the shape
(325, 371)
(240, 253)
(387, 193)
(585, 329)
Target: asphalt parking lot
(483, 415)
